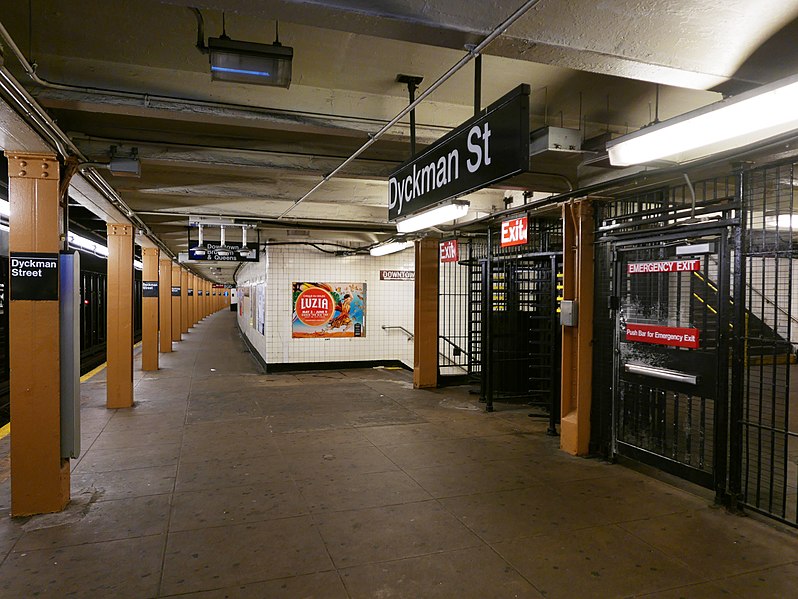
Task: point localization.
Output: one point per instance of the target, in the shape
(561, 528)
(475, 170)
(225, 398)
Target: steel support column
(120, 316)
(425, 348)
(149, 311)
(577, 350)
(165, 305)
(39, 475)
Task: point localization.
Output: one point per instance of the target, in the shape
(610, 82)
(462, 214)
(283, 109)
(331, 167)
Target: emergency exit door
(671, 354)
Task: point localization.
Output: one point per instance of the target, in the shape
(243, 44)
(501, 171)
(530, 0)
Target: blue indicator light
(241, 71)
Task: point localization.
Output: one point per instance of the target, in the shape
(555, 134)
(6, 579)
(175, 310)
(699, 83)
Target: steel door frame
(717, 478)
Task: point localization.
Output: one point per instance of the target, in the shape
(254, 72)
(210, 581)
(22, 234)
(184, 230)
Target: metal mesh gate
(769, 413)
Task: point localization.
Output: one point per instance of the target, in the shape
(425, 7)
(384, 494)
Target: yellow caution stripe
(5, 431)
(90, 374)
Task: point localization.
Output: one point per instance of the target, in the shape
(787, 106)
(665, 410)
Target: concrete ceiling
(134, 79)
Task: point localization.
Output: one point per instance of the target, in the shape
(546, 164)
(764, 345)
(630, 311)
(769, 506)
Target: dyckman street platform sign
(488, 148)
(34, 276)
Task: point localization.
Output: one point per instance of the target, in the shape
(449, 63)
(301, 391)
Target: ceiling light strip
(502, 28)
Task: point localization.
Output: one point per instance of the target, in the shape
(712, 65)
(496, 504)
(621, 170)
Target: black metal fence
(769, 418)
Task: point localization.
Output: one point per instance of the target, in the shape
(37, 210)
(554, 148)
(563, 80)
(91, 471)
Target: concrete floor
(223, 482)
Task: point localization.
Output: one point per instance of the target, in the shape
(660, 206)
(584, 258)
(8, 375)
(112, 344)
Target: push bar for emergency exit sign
(661, 373)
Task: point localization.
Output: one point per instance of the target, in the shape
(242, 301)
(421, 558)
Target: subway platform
(225, 482)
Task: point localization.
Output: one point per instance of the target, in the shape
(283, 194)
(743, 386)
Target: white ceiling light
(726, 125)
(390, 248)
(436, 216)
(200, 251)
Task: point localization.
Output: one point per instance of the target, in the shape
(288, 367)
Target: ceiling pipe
(145, 99)
(60, 140)
(472, 52)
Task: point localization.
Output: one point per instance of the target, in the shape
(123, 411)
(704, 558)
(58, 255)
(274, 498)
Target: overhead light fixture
(223, 250)
(200, 251)
(390, 248)
(244, 251)
(732, 123)
(436, 216)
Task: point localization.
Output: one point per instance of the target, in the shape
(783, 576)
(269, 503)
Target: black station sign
(488, 148)
(176, 291)
(149, 288)
(199, 292)
(190, 292)
(34, 276)
(229, 252)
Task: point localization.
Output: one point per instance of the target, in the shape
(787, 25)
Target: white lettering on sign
(476, 149)
(306, 303)
(449, 252)
(514, 232)
(442, 171)
(30, 268)
(634, 268)
(397, 275)
(432, 176)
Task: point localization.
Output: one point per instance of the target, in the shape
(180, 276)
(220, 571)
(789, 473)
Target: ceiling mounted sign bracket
(412, 82)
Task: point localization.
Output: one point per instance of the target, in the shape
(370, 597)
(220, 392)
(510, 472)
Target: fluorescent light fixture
(87, 245)
(390, 248)
(137, 264)
(436, 216)
(732, 123)
(248, 62)
(5, 208)
(782, 221)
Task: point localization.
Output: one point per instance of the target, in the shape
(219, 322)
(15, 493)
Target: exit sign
(514, 232)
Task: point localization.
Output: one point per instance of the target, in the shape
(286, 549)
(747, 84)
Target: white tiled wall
(388, 303)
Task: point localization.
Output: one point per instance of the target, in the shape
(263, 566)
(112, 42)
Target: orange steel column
(208, 309)
(149, 309)
(577, 350)
(39, 476)
(184, 300)
(177, 310)
(425, 346)
(165, 305)
(119, 348)
(192, 301)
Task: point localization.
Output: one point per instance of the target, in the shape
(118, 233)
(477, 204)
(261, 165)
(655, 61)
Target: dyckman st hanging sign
(488, 148)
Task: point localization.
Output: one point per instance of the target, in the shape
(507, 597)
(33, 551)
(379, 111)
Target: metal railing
(410, 336)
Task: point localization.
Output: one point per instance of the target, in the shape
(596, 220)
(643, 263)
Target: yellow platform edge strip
(5, 431)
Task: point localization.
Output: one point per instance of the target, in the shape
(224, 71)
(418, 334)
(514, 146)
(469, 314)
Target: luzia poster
(327, 310)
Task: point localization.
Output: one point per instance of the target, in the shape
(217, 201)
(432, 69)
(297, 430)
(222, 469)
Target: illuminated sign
(449, 251)
(514, 232)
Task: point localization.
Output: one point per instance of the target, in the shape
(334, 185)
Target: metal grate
(769, 425)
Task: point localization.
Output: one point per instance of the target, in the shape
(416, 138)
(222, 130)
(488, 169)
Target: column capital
(120, 229)
(30, 165)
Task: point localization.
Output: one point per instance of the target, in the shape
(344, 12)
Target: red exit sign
(449, 251)
(514, 232)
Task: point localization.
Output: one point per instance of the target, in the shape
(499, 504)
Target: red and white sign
(397, 275)
(636, 268)
(671, 336)
(314, 307)
(449, 251)
(514, 232)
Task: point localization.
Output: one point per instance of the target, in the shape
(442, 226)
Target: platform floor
(223, 482)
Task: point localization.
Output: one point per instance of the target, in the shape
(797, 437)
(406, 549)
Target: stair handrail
(410, 336)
